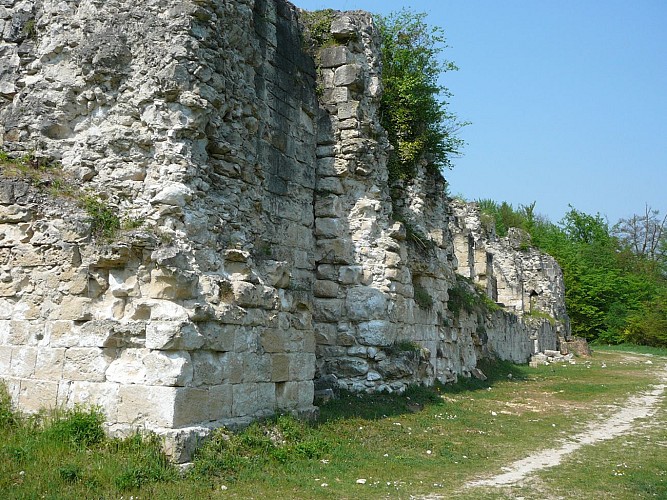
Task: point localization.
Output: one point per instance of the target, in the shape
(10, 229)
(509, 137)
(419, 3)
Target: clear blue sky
(567, 99)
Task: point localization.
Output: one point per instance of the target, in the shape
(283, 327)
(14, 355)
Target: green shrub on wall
(414, 107)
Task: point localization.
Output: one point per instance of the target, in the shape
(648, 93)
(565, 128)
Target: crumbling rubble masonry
(270, 257)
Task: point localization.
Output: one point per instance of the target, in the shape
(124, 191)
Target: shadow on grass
(383, 405)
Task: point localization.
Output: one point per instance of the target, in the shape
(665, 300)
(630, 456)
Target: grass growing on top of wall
(49, 178)
(427, 441)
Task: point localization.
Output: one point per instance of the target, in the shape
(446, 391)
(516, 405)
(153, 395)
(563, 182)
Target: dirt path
(641, 405)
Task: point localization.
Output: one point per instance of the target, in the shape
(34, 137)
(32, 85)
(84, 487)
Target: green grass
(428, 440)
(641, 349)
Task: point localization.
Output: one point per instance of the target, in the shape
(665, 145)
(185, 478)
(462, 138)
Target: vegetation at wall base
(429, 440)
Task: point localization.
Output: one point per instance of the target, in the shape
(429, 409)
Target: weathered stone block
(273, 340)
(326, 289)
(256, 367)
(35, 395)
(280, 364)
(244, 400)
(102, 394)
(329, 228)
(219, 402)
(170, 285)
(87, 363)
(364, 303)
(60, 333)
(75, 309)
(146, 405)
(302, 366)
(208, 368)
(347, 366)
(173, 335)
(5, 359)
(218, 337)
(49, 363)
(327, 310)
(23, 362)
(376, 333)
(287, 395)
(331, 57)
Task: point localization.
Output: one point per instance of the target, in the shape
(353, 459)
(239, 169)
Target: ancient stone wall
(523, 280)
(269, 255)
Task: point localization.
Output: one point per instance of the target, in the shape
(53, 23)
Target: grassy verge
(429, 441)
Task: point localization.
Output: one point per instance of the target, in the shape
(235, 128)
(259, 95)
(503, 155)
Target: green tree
(414, 108)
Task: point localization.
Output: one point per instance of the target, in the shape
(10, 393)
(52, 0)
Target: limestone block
(250, 295)
(147, 405)
(287, 395)
(364, 303)
(280, 367)
(234, 367)
(87, 363)
(5, 359)
(170, 285)
(302, 366)
(60, 333)
(157, 310)
(173, 335)
(219, 337)
(208, 368)
(343, 28)
(277, 273)
(358, 350)
(273, 340)
(74, 308)
(13, 214)
(347, 110)
(376, 333)
(329, 206)
(347, 366)
(325, 288)
(326, 334)
(328, 227)
(330, 185)
(123, 283)
(173, 193)
(6, 309)
(113, 255)
(256, 367)
(168, 368)
(327, 272)
(23, 362)
(128, 368)
(331, 57)
(327, 310)
(219, 402)
(306, 393)
(246, 339)
(334, 251)
(245, 400)
(35, 395)
(102, 394)
(351, 275)
(49, 363)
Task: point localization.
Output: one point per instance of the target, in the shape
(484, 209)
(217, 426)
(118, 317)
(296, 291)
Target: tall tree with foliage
(414, 107)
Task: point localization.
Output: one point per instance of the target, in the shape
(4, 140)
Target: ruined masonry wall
(270, 258)
(525, 281)
(199, 118)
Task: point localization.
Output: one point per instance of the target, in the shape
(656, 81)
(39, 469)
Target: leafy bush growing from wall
(414, 105)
